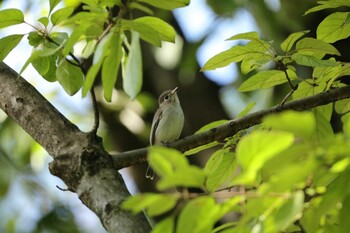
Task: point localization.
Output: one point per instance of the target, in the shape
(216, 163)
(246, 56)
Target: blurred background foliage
(29, 199)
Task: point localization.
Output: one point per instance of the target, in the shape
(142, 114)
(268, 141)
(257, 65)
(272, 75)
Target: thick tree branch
(79, 158)
(229, 129)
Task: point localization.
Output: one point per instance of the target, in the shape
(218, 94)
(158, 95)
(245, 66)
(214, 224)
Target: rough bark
(79, 158)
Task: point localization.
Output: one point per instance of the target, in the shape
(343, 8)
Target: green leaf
(307, 60)
(53, 4)
(328, 5)
(198, 216)
(266, 79)
(154, 204)
(135, 5)
(246, 110)
(344, 222)
(110, 66)
(148, 26)
(7, 44)
(69, 76)
(313, 45)
(256, 148)
(11, 17)
(166, 4)
(46, 67)
(200, 148)
(288, 43)
(221, 167)
(34, 39)
(342, 106)
(73, 38)
(211, 125)
(44, 21)
(324, 129)
(301, 124)
(290, 211)
(90, 77)
(190, 176)
(165, 226)
(245, 36)
(60, 15)
(132, 68)
(234, 54)
(334, 27)
(165, 161)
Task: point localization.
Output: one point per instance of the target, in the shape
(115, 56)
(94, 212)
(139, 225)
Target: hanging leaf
(11, 17)
(132, 72)
(110, 66)
(69, 76)
(7, 44)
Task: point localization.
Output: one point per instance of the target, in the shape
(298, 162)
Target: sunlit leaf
(7, 44)
(328, 5)
(53, 4)
(266, 79)
(310, 45)
(299, 123)
(61, 15)
(165, 226)
(9, 17)
(288, 43)
(307, 60)
(258, 147)
(334, 27)
(154, 204)
(235, 54)
(290, 211)
(245, 36)
(166, 4)
(44, 21)
(220, 168)
(197, 216)
(132, 71)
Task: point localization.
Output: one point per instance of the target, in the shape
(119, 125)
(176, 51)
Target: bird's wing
(155, 122)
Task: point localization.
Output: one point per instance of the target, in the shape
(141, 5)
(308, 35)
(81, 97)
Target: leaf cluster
(111, 36)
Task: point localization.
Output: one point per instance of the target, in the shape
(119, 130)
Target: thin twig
(96, 112)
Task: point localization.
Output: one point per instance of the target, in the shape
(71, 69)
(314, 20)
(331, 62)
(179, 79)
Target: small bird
(167, 123)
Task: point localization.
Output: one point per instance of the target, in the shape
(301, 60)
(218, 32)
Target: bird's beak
(173, 91)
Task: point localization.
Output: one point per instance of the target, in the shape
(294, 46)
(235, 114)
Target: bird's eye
(166, 97)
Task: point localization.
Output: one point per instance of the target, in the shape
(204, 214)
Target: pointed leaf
(288, 43)
(266, 79)
(165, 30)
(61, 15)
(7, 44)
(307, 60)
(166, 4)
(198, 216)
(313, 45)
(132, 75)
(334, 27)
(246, 36)
(69, 76)
(256, 148)
(53, 4)
(165, 226)
(110, 66)
(11, 17)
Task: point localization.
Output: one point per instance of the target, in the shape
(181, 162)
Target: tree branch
(79, 158)
(229, 129)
